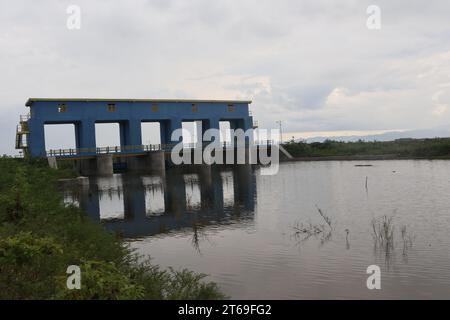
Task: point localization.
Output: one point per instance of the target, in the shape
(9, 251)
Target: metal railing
(106, 150)
(138, 149)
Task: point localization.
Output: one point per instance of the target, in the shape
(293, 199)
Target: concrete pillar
(152, 162)
(156, 161)
(163, 132)
(244, 186)
(36, 138)
(205, 175)
(85, 135)
(174, 124)
(135, 132)
(169, 128)
(87, 167)
(136, 164)
(217, 187)
(234, 124)
(212, 137)
(199, 133)
(244, 155)
(247, 124)
(89, 201)
(104, 165)
(52, 162)
(123, 127)
(130, 133)
(134, 200)
(175, 194)
(212, 123)
(206, 186)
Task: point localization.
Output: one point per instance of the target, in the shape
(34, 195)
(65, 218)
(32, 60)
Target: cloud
(312, 64)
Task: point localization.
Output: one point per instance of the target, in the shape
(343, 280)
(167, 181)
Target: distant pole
(279, 122)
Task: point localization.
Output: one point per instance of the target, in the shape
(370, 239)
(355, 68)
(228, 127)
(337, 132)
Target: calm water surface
(240, 227)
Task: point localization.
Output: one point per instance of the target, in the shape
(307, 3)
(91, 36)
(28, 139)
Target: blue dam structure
(129, 114)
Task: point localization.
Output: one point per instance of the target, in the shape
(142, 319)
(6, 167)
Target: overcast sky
(312, 63)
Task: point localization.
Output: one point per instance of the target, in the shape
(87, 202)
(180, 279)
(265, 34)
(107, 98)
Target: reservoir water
(306, 233)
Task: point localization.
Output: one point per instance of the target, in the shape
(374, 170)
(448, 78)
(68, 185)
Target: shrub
(101, 280)
(40, 237)
(27, 266)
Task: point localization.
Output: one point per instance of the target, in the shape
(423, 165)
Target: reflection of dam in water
(137, 206)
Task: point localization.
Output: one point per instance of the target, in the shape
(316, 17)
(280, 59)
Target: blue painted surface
(129, 114)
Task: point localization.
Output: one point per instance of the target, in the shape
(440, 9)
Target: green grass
(403, 148)
(40, 237)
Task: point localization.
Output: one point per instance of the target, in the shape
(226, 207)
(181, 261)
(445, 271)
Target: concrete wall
(152, 162)
(102, 165)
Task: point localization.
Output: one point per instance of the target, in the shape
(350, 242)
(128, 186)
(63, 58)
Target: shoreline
(361, 158)
(41, 237)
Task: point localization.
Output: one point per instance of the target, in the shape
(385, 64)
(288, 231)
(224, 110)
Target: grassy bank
(40, 237)
(401, 149)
